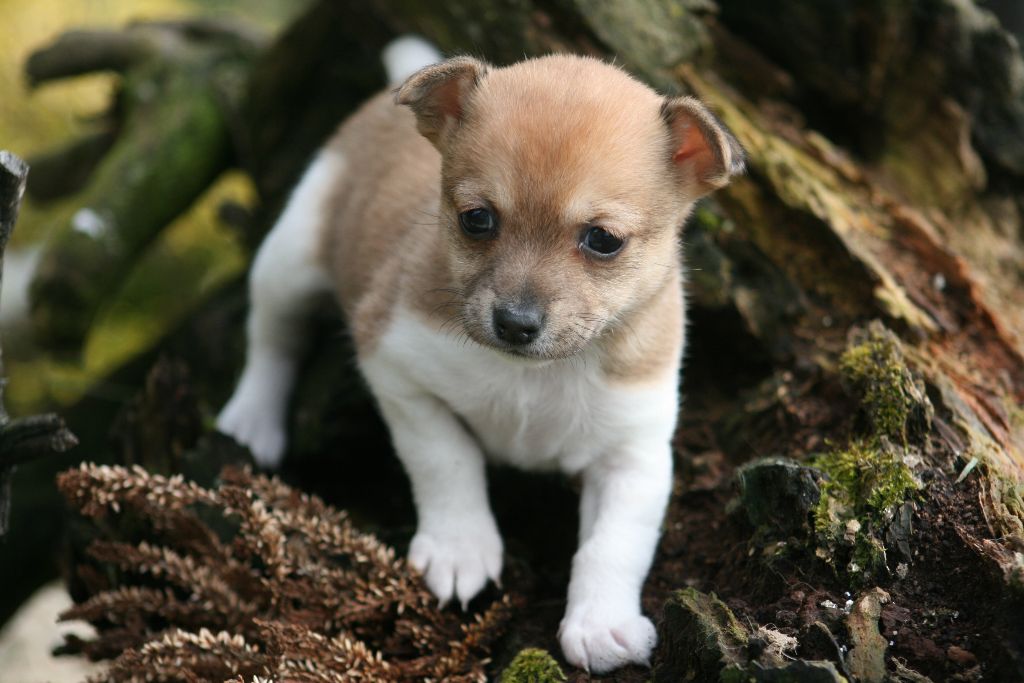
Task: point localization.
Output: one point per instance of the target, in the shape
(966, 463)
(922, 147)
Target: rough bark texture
(858, 308)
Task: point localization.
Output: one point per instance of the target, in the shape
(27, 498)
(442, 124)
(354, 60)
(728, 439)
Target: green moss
(874, 370)
(868, 557)
(867, 482)
(532, 665)
(864, 478)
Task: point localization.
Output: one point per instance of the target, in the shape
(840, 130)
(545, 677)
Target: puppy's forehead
(561, 80)
(563, 128)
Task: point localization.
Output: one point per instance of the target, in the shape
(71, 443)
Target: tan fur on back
(383, 222)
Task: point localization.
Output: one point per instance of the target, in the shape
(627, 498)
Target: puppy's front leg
(622, 505)
(457, 545)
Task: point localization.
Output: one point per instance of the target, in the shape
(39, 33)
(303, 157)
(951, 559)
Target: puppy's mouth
(542, 350)
(516, 352)
(533, 351)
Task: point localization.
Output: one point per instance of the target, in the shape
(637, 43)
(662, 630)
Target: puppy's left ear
(704, 151)
(438, 95)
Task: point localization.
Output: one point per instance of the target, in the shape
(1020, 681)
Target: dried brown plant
(254, 581)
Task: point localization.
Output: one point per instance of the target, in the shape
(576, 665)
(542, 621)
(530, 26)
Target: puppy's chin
(541, 352)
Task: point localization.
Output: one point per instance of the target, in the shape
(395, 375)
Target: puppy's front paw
(246, 421)
(457, 559)
(602, 641)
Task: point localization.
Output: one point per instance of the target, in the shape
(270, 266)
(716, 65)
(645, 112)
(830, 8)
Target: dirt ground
(950, 617)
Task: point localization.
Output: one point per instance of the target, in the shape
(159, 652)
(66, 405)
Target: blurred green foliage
(192, 259)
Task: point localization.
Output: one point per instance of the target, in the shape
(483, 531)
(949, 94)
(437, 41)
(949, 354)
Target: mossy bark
(702, 637)
(174, 104)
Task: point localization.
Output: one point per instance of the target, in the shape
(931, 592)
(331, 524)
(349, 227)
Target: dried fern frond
(287, 590)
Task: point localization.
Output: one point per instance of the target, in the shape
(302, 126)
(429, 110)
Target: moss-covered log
(178, 93)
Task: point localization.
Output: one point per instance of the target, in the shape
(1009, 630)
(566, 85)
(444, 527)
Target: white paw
(255, 426)
(601, 641)
(458, 559)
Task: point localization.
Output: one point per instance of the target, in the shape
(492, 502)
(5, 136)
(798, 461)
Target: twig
(27, 438)
(84, 51)
(13, 173)
(87, 50)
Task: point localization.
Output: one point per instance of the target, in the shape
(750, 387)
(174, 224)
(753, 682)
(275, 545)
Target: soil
(950, 618)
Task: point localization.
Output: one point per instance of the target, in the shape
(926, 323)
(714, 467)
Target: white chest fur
(556, 415)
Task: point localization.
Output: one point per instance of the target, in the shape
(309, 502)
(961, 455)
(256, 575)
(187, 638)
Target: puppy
(506, 248)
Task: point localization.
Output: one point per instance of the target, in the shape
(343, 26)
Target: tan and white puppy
(506, 249)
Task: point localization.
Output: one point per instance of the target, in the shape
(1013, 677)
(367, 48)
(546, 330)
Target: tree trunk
(857, 307)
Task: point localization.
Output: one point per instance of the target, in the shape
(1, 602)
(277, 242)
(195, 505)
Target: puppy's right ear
(438, 94)
(704, 152)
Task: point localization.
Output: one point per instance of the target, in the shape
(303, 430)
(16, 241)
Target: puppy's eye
(600, 242)
(478, 223)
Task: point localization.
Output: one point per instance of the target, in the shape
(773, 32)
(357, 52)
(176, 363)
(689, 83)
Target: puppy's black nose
(518, 324)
